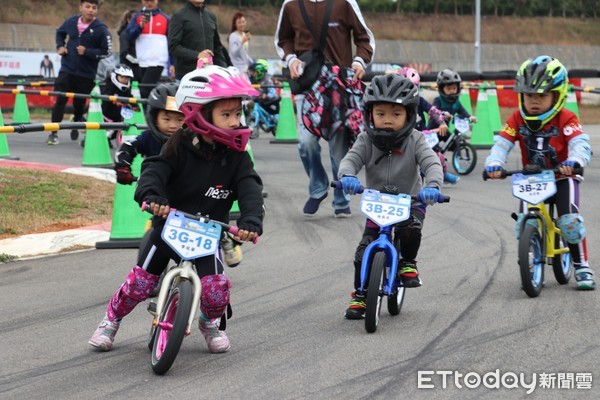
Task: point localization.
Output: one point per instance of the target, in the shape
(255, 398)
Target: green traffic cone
(138, 116)
(20, 110)
(465, 100)
(96, 152)
(571, 103)
(234, 212)
(287, 128)
(494, 109)
(4, 152)
(482, 135)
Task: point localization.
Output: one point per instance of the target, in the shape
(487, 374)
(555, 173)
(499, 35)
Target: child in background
(549, 136)
(268, 99)
(393, 153)
(202, 168)
(448, 84)
(118, 83)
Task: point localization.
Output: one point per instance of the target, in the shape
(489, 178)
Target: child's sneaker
(53, 139)
(409, 274)
(231, 252)
(451, 178)
(357, 307)
(217, 340)
(104, 336)
(585, 279)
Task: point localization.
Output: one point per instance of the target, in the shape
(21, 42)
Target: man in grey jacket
(193, 35)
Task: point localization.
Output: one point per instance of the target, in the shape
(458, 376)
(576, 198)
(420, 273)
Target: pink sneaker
(104, 336)
(217, 340)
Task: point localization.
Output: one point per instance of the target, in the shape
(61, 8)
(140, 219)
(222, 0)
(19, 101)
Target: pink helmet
(206, 85)
(411, 74)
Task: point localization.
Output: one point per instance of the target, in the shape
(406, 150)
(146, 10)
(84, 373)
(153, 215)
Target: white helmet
(206, 85)
(122, 70)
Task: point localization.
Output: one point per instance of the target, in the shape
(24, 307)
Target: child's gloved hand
(494, 171)
(443, 129)
(350, 184)
(473, 119)
(429, 196)
(124, 176)
(158, 206)
(567, 167)
(248, 232)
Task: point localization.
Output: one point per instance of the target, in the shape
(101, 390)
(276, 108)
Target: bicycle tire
(375, 291)
(464, 158)
(531, 258)
(396, 300)
(562, 264)
(168, 342)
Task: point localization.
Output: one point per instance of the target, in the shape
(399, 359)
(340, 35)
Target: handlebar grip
(338, 185)
(443, 199)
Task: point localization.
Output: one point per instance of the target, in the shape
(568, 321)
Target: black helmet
(448, 77)
(162, 97)
(395, 89)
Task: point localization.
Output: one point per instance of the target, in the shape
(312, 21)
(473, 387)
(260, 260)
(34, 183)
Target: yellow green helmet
(543, 74)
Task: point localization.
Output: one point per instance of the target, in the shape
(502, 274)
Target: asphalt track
(289, 339)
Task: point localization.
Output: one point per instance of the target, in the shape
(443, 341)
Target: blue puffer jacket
(96, 39)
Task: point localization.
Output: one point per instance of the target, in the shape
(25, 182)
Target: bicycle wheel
(531, 258)
(562, 264)
(375, 291)
(464, 158)
(395, 301)
(254, 128)
(171, 327)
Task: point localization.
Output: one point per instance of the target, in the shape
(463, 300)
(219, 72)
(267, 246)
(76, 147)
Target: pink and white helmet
(411, 74)
(206, 85)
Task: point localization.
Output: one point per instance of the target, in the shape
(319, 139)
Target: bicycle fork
(383, 242)
(183, 272)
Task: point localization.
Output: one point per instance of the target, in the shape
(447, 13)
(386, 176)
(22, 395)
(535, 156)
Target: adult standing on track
(292, 38)
(239, 39)
(82, 41)
(193, 35)
(149, 28)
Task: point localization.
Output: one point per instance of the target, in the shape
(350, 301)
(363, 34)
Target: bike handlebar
(441, 198)
(205, 219)
(530, 170)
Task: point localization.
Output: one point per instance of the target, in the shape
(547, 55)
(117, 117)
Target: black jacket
(96, 39)
(206, 181)
(192, 30)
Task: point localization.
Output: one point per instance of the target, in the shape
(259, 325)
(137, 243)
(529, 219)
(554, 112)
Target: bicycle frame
(549, 229)
(185, 270)
(262, 116)
(383, 242)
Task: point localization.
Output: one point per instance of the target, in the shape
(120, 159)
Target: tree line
(498, 8)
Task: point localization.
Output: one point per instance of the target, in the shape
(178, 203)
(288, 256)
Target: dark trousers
(149, 77)
(66, 82)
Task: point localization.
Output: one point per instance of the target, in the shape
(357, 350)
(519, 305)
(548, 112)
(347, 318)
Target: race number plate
(190, 238)
(385, 209)
(461, 124)
(432, 138)
(126, 113)
(534, 189)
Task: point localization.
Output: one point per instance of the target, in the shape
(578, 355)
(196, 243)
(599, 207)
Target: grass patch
(33, 201)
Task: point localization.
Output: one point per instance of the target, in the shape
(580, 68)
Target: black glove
(161, 201)
(124, 176)
(250, 227)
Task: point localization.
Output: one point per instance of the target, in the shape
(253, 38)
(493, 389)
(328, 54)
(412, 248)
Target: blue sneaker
(343, 213)
(312, 205)
(585, 279)
(451, 178)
